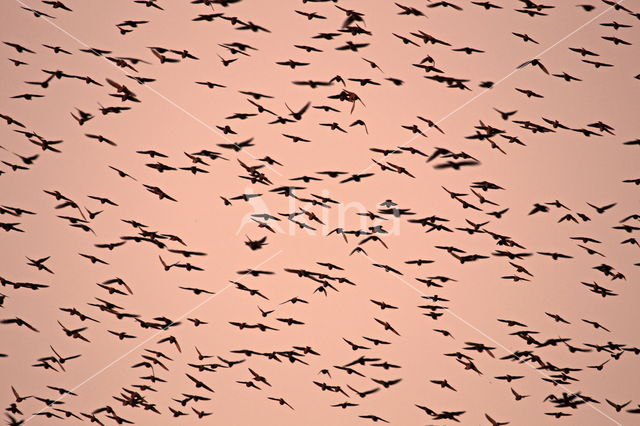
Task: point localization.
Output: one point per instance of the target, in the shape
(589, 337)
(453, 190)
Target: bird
(429, 189)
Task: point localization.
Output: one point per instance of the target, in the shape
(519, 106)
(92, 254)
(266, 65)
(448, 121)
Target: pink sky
(176, 115)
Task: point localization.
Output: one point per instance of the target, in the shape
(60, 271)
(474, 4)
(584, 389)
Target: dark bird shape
(602, 209)
(19, 322)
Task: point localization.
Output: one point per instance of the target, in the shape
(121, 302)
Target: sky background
(176, 115)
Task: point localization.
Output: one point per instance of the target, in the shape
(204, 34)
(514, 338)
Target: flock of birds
(348, 385)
